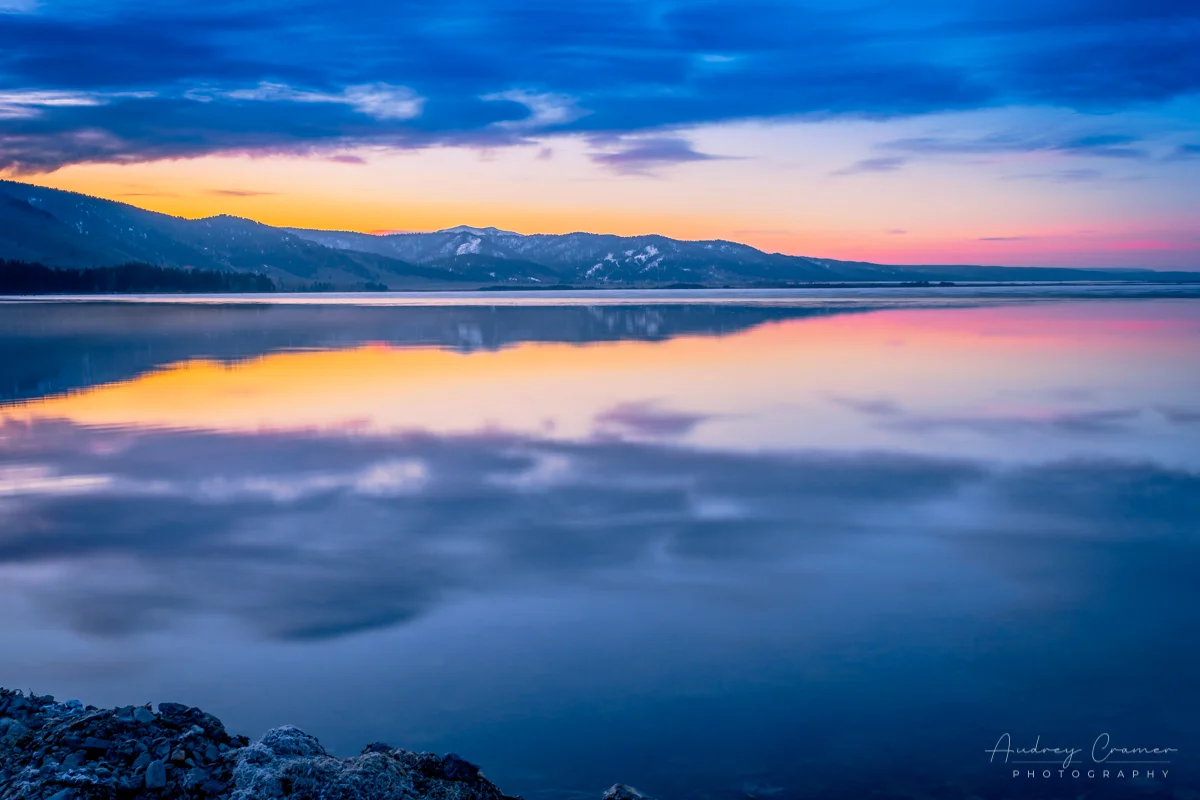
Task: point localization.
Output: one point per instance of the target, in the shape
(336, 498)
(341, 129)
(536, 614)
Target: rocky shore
(67, 751)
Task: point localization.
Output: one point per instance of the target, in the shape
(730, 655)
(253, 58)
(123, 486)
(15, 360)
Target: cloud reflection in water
(306, 536)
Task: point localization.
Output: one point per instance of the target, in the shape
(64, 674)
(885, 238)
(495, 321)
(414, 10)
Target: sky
(1033, 132)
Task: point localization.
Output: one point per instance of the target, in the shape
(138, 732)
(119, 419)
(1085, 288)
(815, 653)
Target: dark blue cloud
(647, 419)
(1107, 145)
(1083, 422)
(643, 155)
(493, 73)
(1061, 176)
(1185, 151)
(884, 164)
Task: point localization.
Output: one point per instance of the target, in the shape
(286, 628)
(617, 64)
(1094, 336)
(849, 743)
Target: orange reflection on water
(775, 385)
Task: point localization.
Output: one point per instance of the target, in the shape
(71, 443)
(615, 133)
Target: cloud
(420, 519)
(238, 193)
(1061, 176)
(640, 156)
(377, 100)
(369, 72)
(1181, 416)
(1096, 145)
(872, 406)
(647, 419)
(885, 164)
(545, 109)
(1185, 151)
(1103, 146)
(1077, 422)
(896, 417)
(25, 104)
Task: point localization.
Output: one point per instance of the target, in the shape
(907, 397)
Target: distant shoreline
(834, 295)
(502, 289)
(24, 279)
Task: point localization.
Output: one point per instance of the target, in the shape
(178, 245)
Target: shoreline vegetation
(20, 277)
(24, 278)
(53, 750)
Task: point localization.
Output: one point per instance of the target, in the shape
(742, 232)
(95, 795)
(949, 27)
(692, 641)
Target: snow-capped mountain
(592, 258)
(66, 229)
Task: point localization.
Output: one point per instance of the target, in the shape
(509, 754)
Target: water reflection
(813, 556)
(48, 348)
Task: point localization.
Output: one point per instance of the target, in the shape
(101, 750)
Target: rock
(195, 778)
(458, 769)
(156, 775)
(289, 762)
(58, 751)
(175, 712)
(16, 729)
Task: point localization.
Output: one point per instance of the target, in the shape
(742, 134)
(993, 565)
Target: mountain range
(71, 230)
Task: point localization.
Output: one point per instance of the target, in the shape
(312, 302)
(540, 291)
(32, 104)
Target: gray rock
(458, 769)
(16, 729)
(172, 709)
(131, 752)
(288, 761)
(195, 778)
(156, 775)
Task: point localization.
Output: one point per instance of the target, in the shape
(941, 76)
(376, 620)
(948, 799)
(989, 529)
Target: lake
(807, 544)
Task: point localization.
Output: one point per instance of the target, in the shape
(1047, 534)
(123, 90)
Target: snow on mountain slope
(594, 258)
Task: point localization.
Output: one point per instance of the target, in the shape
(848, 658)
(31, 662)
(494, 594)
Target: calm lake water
(714, 545)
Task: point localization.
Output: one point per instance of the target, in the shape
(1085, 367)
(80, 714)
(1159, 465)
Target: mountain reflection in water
(709, 551)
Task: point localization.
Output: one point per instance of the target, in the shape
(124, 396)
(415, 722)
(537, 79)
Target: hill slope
(65, 229)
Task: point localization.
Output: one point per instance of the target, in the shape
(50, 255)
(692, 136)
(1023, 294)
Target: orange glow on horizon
(440, 188)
